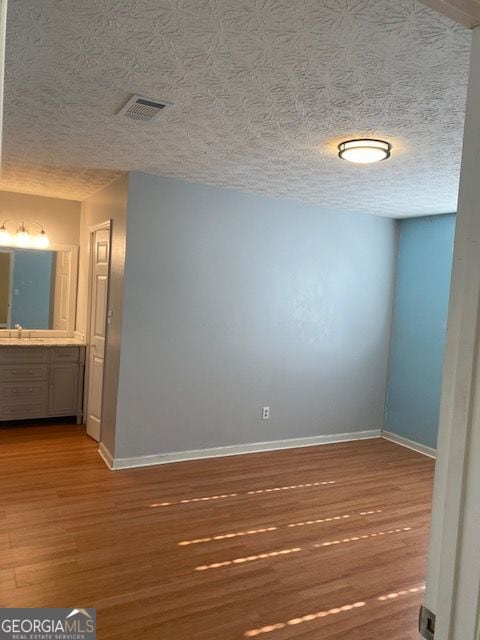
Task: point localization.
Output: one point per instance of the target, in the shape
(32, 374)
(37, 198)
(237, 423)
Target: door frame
(107, 224)
(453, 581)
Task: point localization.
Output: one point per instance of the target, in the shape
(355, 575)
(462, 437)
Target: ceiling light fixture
(23, 238)
(364, 150)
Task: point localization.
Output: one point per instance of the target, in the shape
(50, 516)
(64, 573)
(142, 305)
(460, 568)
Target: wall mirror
(38, 288)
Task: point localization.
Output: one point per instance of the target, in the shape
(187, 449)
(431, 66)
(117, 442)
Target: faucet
(19, 329)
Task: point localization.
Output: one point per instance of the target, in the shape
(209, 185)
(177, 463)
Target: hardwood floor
(318, 543)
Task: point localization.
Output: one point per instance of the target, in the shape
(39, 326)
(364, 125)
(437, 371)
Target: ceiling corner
(466, 12)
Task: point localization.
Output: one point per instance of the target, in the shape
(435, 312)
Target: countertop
(41, 342)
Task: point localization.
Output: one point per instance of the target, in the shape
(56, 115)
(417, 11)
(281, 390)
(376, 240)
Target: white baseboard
(234, 450)
(410, 444)
(106, 455)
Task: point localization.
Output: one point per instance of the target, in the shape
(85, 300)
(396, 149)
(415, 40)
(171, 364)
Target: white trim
(410, 444)
(233, 450)
(466, 12)
(11, 266)
(72, 302)
(105, 455)
(106, 224)
(453, 585)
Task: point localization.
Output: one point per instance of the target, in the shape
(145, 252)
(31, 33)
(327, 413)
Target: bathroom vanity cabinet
(41, 381)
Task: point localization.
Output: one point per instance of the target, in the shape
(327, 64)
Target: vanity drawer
(64, 354)
(20, 411)
(22, 392)
(23, 372)
(23, 354)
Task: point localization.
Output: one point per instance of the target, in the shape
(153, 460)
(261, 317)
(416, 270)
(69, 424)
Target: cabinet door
(63, 389)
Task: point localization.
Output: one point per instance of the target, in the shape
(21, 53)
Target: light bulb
(5, 237)
(22, 239)
(42, 241)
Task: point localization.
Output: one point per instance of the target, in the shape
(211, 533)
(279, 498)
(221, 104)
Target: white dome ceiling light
(364, 150)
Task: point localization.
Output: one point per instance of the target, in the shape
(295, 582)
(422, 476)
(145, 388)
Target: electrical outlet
(265, 413)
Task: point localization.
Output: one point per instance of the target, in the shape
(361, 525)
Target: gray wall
(233, 302)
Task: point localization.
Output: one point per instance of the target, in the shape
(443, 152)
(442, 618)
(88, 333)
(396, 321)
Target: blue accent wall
(32, 281)
(419, 327)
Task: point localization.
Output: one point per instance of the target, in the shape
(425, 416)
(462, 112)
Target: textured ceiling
(263, 90)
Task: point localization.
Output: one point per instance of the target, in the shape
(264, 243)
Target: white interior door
(6, 281)
(98, 321)
(61, 299)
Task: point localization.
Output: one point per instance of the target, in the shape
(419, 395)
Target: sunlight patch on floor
(329, 612)
(308, 618)
(225, 536)
(364, 537)
(247, 493)
(260, 556)
(272, 554)
(251, 532)
(403, 592)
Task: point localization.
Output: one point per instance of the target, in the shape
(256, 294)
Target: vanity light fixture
(22, 237)
(364, 150)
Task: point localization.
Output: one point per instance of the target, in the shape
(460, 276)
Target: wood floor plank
(320, 542)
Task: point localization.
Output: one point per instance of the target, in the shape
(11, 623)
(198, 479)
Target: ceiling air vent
(143, 109)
